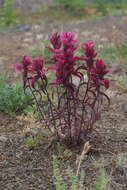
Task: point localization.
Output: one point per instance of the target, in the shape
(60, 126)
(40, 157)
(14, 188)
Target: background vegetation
(12, 98)
(8, 15)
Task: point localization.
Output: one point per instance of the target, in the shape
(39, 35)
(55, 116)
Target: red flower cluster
(55, 41)
(33, 69)
(90, 54)
(97, 74)
(64, 46)
(96, 68)
(65, 60)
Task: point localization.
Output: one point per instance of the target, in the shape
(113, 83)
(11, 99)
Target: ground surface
(23, 169)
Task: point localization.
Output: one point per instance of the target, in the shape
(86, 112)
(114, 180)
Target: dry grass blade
(86, 149)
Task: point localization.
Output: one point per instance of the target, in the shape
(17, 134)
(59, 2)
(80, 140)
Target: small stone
(36, 27)
(28, 40)
(125, 110)
(113, 27)
(3, 139)
(96, 37)
(104, 39)
(28, 34)
(39, 37)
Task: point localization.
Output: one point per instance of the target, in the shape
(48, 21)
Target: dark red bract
(65, 60)
(32, 69)
(90, 54)
(98, 72)
(55, 40)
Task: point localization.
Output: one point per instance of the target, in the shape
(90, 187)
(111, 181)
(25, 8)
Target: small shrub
(12, 98)
(8, 16)
(77, 96)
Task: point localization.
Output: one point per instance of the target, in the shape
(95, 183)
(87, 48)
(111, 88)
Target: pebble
(111, 93)
(36, 27)
(76, 81)
(28, 34)
(3, 139)
(113, 27)
(2, 59)
(39, 37)
(125, 110)
(104, 39)
(28, 40)
(96, 37)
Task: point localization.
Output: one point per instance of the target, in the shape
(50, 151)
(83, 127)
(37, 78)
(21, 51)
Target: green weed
(122, 83)
(35, 52)
(8, 16)
(31, 142)
(58, 180)
(12, 98)
(122, 50)
(109, 54)
(39, 52)
(101, 180)
(75, 182)
(115, 54)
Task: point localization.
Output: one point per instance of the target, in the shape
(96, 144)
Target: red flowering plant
(78, 90)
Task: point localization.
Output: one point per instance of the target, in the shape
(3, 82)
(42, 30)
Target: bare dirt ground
(23, 169)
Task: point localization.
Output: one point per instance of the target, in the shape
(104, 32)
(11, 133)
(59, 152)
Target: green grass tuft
(31, 142)
(12, 98)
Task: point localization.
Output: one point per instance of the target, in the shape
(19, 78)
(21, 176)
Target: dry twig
(86, 149)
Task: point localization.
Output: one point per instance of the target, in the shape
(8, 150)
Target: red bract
(101, 69)
(55, 40)
(32, 68)
(97, 74)
(26, 62)
(89, 48)
(68, 39)
(37, 68)
(90, 54)
(66, 60)
(18, 67)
